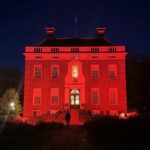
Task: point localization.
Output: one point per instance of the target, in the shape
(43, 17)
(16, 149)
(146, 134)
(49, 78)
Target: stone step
(74, 117)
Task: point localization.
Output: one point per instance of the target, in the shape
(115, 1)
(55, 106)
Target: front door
(74, 98)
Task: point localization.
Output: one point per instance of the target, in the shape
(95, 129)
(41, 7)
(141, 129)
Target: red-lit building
(75, 73)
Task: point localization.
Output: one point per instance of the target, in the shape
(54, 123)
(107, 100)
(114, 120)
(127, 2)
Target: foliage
(10, 77)
(28, 137)
(114, 133)
(138, 81)
(10, 96)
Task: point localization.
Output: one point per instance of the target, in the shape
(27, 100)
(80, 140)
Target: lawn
(101, 133)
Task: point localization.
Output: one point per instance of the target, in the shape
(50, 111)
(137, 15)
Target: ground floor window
(37, 96)
(54, 96)
(36, 113)
(95, 96)
(112, 96)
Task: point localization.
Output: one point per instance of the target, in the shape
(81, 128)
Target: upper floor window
(113, 96)
(75, 71)
(95, 50)
(55, 71)
(54, 50)
(38, 50)
(54, 96)
(112, 49)
(37, 71)
(75, 50)
(35, 113)
(95, 71)
(112, 71)
(95, 96)
(36, 96)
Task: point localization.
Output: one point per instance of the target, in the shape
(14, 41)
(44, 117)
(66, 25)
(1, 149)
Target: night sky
(23, 22)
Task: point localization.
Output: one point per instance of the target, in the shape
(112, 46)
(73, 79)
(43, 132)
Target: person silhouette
(67, 118)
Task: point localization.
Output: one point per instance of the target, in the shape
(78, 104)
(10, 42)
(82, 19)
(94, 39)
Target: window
(55, 71)
(95, 71)
(54, 50)
(95, 50)
(75, 50)
(112, 71)
(37, 71)
(35, 113)
(95, 96)
(112, 49)
(75, 71)
(54, 96)
(37, 100)
(54, 100)
(37, 96)
(37, 50)
(75, 91)
(113, 96)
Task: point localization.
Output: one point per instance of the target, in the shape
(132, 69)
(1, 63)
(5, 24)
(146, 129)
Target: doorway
(75, 98)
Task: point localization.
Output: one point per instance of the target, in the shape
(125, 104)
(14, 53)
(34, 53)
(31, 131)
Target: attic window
(112, 50)
(75, 50)
(95, 50)
(54, 50)
(37, 50)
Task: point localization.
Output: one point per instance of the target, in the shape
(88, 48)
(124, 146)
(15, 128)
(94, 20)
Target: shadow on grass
(113, 133)
(24, 136)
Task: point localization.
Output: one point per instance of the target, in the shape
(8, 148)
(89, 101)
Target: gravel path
(70, 138)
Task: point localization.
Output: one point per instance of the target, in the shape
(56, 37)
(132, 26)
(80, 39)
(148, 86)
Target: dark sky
(22, 23)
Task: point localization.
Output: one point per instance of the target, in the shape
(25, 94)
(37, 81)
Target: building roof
(101, 41)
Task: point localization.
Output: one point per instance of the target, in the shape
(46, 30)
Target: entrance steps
(74, 116)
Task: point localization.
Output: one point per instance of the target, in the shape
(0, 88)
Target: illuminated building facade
(75, 73)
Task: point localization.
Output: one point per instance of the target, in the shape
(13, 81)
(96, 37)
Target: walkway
(70, 138)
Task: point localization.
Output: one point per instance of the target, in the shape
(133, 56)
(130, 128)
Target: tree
(10, 103)
(10, 77)
(138, 81)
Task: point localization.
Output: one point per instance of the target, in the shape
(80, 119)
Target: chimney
(50, 31)
(101, 31)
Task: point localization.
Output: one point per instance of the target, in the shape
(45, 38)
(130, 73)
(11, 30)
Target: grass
(101, 133)
(24, 136)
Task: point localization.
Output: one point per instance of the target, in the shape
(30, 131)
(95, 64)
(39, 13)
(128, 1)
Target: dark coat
(67, 117)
